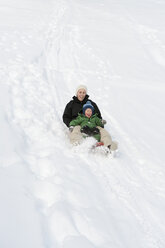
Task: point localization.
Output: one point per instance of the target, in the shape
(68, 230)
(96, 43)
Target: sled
(99, 144)
(99, 148)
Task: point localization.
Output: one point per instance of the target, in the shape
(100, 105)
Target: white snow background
(54, 196)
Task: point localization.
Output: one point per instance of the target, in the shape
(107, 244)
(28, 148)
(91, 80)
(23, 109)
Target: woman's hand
(71, 128)
(103, 122)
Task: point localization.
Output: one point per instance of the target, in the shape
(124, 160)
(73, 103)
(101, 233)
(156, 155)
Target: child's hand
(71, 128)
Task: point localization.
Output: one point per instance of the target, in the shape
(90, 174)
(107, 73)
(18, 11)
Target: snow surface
(52, 195)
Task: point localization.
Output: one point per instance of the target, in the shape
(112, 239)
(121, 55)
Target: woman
(71, 112)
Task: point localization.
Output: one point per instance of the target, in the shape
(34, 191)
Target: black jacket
(74, 107)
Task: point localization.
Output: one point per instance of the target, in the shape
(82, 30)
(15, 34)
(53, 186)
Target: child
(88, 121)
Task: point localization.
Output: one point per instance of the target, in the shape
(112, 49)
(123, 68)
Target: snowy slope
(52, 195)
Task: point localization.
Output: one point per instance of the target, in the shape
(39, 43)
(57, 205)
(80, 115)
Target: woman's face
(81, 94)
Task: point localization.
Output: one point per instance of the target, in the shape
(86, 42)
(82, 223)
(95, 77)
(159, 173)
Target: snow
(55, 195)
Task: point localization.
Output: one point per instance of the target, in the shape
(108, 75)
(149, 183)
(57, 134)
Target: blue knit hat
(88, 105)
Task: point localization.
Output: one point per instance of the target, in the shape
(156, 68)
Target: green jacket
(83, 121)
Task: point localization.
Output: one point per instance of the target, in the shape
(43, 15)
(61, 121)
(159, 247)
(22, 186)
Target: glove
(71, 128)
(86, 130)
(103, 122)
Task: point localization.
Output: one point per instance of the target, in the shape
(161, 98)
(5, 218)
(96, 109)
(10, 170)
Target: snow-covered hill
(52, 195)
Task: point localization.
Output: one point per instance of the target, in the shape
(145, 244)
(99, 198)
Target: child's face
(88, 112)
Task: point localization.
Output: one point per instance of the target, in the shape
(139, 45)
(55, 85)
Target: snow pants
(76, 136)
(106, 139)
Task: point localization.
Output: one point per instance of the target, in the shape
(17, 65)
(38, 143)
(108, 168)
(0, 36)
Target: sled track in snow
(35, 105)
